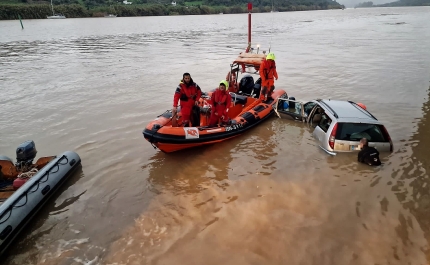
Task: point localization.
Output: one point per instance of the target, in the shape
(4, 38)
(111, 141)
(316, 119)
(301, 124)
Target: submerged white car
(338, 125)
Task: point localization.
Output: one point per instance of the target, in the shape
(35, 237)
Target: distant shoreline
(399, 3)
(40, 11)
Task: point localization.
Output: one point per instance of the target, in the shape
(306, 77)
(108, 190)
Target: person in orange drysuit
(189, 94)
(268, 74)
(220, 102)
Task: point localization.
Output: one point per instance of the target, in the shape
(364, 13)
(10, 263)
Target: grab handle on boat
(5, 232)
(46, 189)
(276, 108)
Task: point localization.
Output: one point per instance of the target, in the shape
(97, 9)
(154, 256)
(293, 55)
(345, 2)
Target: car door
(290, 109)
(320, 121)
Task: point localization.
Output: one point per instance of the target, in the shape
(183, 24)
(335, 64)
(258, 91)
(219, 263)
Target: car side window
(308, 107)
(325, 122)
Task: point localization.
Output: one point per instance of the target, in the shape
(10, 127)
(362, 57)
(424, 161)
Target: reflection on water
(188, 171)
(411, 183)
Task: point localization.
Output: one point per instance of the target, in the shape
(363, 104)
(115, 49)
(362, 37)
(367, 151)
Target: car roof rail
(332, 111)
(360, 108)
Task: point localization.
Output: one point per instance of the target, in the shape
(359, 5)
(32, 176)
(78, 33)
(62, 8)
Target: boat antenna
(271, 33)
(249, 26)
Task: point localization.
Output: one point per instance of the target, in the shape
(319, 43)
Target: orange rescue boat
(245, 112)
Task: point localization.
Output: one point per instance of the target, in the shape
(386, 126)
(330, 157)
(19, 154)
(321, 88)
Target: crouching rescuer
(220, 102)
(368, 155)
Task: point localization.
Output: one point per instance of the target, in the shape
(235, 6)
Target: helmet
(225, 83)
(270, 56)
(361, 105)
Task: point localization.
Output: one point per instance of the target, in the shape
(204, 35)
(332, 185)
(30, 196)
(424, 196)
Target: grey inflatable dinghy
(25, 187)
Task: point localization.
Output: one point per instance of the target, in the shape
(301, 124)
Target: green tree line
(40, 11)
(94, 8)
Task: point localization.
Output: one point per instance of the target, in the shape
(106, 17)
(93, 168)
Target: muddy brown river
(269, 196)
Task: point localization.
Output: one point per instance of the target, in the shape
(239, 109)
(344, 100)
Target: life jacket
(220, 99)
(267, 69)
(188, 92)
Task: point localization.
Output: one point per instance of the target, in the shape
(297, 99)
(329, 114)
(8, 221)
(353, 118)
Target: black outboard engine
(25, 153)
(246, 85)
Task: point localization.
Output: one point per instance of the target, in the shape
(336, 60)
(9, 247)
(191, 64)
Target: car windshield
(356, 131)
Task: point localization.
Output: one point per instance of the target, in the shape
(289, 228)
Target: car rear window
(356, 131)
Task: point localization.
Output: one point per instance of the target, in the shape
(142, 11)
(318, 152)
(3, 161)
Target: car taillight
(387, 136)
(332, 137)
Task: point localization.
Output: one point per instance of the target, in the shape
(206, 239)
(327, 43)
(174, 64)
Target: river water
(270, 196)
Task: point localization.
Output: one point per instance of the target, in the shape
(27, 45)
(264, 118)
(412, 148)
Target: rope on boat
(28, 174)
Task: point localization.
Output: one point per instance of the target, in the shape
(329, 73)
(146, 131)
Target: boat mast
(249, 26)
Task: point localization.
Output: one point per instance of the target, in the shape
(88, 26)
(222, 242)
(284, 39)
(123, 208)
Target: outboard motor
(25, 153)
(246, 85)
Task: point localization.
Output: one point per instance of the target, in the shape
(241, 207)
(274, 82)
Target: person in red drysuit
(220, 102)
(189, 94)
(268, 74)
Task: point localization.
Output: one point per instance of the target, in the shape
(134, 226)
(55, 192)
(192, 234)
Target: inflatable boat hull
(162, 135)
(24, 203)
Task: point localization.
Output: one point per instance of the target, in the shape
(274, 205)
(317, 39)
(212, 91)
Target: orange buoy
(362, 105)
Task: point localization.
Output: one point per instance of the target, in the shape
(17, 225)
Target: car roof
(347, 111)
